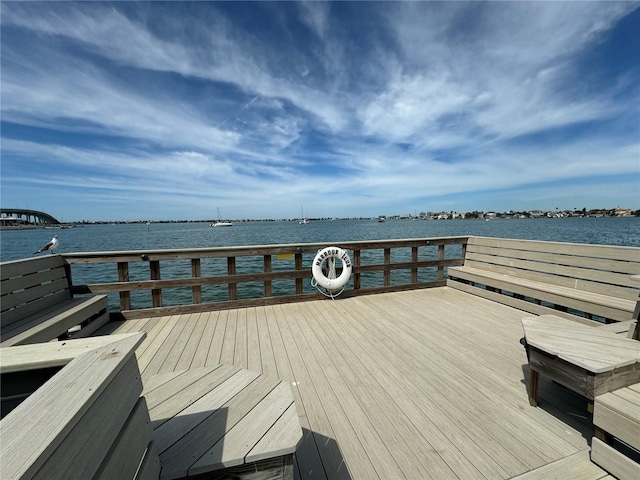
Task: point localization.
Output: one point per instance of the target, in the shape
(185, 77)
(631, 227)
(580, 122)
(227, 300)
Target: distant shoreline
(389, 218)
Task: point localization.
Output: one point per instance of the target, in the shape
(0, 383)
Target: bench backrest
(87, 421)
(32, 285)
(593, 268)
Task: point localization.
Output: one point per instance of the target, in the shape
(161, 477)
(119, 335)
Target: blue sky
(160, 110)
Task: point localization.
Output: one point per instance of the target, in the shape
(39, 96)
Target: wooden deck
(417, 384)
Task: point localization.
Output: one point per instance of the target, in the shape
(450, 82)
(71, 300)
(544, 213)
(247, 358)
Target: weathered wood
(85, 446)
(259, 302)
(16, 268)
(414, 259)
(250, 277)
(32, 286)
(397, 353)
(90, 325)
(36, 434)
(590, 303)
(605, 283)
(387, 271)
(594, 349)
(52, 323)
(593, 280)
(253, 250)
(267, 265)
(156, 293)
(128, 449)
(267, 276)
(589, 361)
(231, 270)
(196, 290)
(563, 248)
(536, 307)
(123, 277)
(52, 354)
(440, 275)
(618, 414)
(575, 466)
(213, 418)
(357, 275)
(613, 461)
(298, 266)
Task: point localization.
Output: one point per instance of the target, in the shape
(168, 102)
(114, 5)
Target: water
(18, 244)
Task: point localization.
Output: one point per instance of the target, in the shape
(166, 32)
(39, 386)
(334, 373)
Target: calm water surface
(22, 243)
(17, 244)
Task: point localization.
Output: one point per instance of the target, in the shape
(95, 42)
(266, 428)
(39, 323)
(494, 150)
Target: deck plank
(443, 368)
(254, 357)
(317, 456)
(209, 319)
(311, 372)
(217, 341)
(376, 402)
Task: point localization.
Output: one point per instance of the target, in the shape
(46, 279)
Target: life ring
(321, 278)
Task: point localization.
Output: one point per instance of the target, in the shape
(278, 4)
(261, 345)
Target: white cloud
(434, 102)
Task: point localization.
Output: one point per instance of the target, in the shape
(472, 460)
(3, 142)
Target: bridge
(19, 216)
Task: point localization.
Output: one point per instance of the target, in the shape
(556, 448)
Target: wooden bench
(37, 304)
(223, 419)
(564, 279)
(77, 409)
(616, 415)
(588, 360)
(86, 421)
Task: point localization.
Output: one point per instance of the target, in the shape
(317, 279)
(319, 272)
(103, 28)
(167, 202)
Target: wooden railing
(421, 263)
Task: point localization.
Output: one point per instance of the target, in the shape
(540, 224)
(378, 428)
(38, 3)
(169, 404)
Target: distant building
(536, 213)
(12, 221)
(622, 212)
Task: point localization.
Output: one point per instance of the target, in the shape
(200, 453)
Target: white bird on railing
(49, 246)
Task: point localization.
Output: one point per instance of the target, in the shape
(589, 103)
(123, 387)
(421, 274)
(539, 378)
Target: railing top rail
(249, 250)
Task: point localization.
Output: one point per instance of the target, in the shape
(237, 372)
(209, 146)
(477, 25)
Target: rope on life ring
(329, 281)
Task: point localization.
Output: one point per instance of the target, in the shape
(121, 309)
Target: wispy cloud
(351, 105)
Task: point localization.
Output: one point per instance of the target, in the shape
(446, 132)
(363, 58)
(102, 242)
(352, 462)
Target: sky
(173, 110)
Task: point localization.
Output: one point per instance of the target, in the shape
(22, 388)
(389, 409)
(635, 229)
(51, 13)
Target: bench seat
(585, 359)
(86, 421)
(606, 306)
(588, 283)
(616, 414)
(223, 420)
(37, 304)
(56, 321)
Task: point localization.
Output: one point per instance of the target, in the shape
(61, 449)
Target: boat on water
(381, 219)
(303, 221)
(221, 223)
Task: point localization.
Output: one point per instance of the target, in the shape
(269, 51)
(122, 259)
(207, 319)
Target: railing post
(357, 275)
(440, 259)
(267, 269)
(387, 270)
(414, 259)
(196, 290)
(156, 293)
(299, 281)
(123, 276)
(231, 270)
